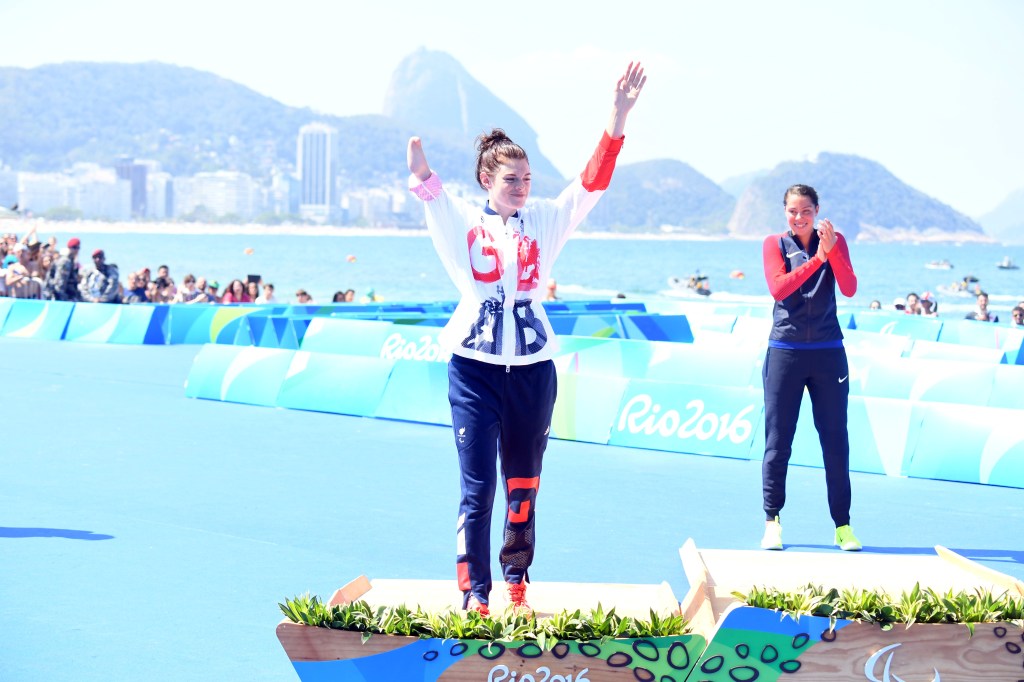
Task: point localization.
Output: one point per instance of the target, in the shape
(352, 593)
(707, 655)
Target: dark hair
(492, 150)
(339, 297)
(801, 190)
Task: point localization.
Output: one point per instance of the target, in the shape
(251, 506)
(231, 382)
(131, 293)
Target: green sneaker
(846, 540)
(772, 535)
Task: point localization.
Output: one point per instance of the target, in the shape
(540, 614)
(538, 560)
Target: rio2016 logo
(642, 415)
(501, 673)
(397, 347)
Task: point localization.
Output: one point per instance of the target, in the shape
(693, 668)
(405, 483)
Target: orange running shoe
(474, 605)
(517, 596)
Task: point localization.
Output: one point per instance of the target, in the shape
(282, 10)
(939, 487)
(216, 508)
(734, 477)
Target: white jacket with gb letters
(501, 269)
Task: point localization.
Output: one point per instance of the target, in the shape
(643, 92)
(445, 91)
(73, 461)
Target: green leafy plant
(510, 625)
(915, 606)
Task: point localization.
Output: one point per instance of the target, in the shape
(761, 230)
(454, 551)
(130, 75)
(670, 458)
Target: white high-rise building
(316, 159)
(226, 193)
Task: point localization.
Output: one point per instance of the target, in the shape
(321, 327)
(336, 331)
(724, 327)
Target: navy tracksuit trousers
(504, 413)
(825, 374)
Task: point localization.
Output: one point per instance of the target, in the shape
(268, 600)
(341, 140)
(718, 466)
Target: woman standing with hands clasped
(805, 350)
(502, 381)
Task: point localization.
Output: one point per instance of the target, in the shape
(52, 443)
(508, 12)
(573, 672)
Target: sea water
(404, 267)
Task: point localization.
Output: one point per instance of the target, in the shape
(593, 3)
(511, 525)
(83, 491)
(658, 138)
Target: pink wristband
(429, 189)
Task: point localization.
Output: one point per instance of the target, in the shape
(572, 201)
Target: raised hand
(417, 160)
(627, 90)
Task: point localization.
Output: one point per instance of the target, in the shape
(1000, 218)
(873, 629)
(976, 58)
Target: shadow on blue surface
(52, 533)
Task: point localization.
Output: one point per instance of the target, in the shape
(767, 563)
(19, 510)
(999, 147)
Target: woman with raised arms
(502, 381)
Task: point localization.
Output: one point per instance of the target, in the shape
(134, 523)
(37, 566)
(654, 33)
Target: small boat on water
(1007, 264)
(939, 265)
(696, 284)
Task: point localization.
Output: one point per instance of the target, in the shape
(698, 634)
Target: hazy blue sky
(932, 89)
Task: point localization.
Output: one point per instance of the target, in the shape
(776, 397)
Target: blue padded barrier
(31, 319)
(921, 379)
(238, 374)
(114, 323)
(600, 326)
(373, 339)
(881, 431)
(656, 327)
(662, 361)
(194, 324)
(340, 384)
(874, 344)
(703, 420)
(5, 307)
(416, 391)
(915, 327)
(971, 444)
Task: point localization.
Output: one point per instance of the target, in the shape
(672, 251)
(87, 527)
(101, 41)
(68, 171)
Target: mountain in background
(738, 184)
(1006, 221)
(864, 200)
(192, 121)
(432, 93)
(188, 120)
(663, 194)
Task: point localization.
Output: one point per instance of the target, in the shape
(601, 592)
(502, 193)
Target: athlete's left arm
(842, 268)
(598, 173)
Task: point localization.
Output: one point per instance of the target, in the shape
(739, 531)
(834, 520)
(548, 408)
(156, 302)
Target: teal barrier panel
(657, 327)
(114, 323)
(974, 333)
(882, 433)
(586, 407)
(922, 379)
(1012, 344)
(935, 350)
(663, 361)
(970, 444)
(601, 326)
(712, 323)
(753, 329)
(1007, 387)
(702, 420)
(373, 339)
(875, 344)
(292, 338)
(340, 384)
(244, 335)
(31, 319)
(238, 374)
(417, 392)
(5, 307)
(196, 324)
(900, 324)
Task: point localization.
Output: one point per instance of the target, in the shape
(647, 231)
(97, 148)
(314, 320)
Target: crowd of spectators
(41, 270)
(927, 306)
